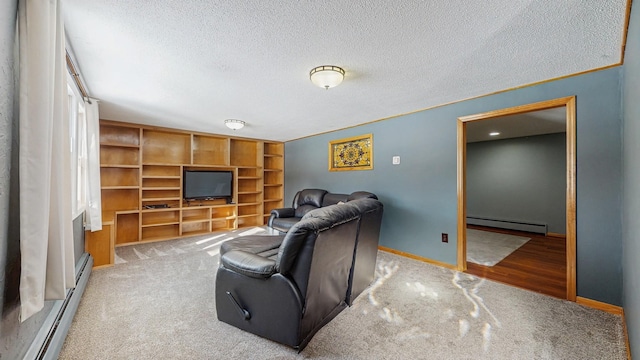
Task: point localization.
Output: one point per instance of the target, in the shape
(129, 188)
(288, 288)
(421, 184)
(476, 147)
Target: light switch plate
(395, 160)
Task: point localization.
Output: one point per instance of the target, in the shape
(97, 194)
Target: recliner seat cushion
(265, 246)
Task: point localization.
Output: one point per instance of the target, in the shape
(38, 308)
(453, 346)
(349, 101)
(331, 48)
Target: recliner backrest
(307, 200)
(364, 259)
(332, 199)
(361, 195)
(315, 239)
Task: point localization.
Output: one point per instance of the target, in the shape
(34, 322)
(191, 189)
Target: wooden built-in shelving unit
(142, 166)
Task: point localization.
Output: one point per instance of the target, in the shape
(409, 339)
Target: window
(78, 150)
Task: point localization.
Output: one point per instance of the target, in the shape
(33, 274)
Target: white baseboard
(50, 338)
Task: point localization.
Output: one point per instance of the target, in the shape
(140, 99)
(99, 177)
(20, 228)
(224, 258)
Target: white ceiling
(191, 64)
(533, 123)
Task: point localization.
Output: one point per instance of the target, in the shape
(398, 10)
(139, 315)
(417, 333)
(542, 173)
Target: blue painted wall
(420, 194)
(522, 179)
(631, 225)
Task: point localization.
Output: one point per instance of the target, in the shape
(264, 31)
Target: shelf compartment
(119, 199)
(222, 224)
(161, 232)
(193, 228)
(172, 203)
(273, 177)
(163, 147)
(248, 172)
(246, 185)
(113, 135)
(273, 192)
(252, 209)
(119, 177)
(244, 152)
(210, 150)
(250, 220)
(274, 162)
(127, 226)
(273, 149)
(203, 202)
(161, 182)
(223, 212)
(148, 194)
(249, 197)
(272, 200)
(119, 155)
(189, 215)
(153, 171)
(160, 217)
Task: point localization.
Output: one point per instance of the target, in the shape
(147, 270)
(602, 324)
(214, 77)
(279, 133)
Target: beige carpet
(489, 248)
(158, 303)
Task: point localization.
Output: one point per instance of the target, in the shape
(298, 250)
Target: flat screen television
(207, 184)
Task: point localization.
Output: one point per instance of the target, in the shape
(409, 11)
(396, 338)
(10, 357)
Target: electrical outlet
(445, 237)
(395, 160)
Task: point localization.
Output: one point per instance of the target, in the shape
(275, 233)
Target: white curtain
(46, 235)
(94, 208)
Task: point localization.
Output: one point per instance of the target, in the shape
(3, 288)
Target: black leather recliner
(364, 258)
(285, 288)
(306, 200)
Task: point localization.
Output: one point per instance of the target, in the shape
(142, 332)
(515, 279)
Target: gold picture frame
(354, 153)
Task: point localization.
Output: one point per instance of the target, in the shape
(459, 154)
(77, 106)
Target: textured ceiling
(191, 64)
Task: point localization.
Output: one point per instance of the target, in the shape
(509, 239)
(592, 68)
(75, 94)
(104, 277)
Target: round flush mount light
(234, 124)
(495, 133)
(326, 76)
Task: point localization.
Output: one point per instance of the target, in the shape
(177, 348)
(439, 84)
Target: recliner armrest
(248, 264)
(283, 212)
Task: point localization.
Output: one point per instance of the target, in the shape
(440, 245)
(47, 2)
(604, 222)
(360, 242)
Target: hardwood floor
(539, 265)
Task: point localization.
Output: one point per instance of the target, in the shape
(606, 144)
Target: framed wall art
(354, 153)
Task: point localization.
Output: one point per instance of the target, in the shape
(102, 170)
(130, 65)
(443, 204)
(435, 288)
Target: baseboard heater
(50, 338)
(538, 228)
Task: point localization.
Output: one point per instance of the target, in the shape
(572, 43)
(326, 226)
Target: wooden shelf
(142, 165)
(120, 187)
(119, 166)
(248, 215)
(161, 198)
(186, 221)
(160, 177)
(120, 145)
(160, 224)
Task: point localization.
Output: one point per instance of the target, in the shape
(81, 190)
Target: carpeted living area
(157, 303)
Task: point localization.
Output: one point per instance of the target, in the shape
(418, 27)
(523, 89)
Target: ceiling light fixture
(326, 76)
(234, 124)
(495, 133)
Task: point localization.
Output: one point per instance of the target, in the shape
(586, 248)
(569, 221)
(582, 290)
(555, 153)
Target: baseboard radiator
(538, 228)
(50, 338)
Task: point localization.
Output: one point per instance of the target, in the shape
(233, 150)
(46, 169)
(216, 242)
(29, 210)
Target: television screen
(205, 184)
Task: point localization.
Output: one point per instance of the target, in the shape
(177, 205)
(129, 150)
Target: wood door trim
(570, 105)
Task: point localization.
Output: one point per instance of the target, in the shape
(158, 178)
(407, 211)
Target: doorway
(568, 104)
